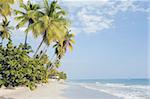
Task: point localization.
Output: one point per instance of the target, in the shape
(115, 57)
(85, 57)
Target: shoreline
(54, 90)
(79, 92)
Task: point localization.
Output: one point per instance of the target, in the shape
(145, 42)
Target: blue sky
(111, 39)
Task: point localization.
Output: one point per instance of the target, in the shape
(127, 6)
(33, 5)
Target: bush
(62, 75)
(17, 68)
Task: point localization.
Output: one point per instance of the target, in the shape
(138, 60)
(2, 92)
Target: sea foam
(121, 90)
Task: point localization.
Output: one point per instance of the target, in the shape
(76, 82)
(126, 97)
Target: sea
(121, 88)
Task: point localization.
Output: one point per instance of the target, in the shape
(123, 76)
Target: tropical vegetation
(22, 66)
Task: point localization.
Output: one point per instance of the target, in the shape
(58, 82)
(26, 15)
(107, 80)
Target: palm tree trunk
(53, 61)
(25, 43)
(44, 50)
(2, 42)
(39, 47)
(53, 64)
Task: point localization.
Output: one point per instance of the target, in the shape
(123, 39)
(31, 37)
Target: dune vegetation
(20, 65)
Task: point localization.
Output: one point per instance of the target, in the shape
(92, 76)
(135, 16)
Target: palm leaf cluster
(17, 66)
(27, 16)
(51, 24)
(5, 8)
(5, 29)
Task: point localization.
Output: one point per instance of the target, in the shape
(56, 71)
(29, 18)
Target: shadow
(5, 97)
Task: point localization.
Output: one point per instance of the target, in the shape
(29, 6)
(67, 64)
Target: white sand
(53, 90)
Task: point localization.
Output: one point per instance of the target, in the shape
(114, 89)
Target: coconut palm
(60, 49)
(28, 16)
(51, 25)
(5, 7)
(5, 29)
(68, 41)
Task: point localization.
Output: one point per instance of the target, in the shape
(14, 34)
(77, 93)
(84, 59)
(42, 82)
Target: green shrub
(62, 75)
(17, 68)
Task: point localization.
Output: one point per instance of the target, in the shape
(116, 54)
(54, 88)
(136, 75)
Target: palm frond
(19, 12)
(18, 18)
(22, 23)
(22, 5)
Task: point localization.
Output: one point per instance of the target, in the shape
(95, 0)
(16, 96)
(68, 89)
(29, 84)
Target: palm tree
(5, 29)
(68, 41)
(27, 16)
(60, 49)
(51, 25)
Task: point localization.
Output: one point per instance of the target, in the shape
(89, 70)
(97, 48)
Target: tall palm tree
(60, 49)
(51, 25)
(5, 29)
(27, 16)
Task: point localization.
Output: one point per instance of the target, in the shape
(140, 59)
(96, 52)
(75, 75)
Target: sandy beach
(53, 90)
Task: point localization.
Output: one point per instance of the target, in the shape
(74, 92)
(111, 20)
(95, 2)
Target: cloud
(96, 16)
(92, 22)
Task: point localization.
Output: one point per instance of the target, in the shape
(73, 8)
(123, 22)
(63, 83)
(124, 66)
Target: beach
(53, 90)
(82, 89)
(79, 92)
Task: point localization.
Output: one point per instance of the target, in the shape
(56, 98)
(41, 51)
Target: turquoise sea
(122, 88)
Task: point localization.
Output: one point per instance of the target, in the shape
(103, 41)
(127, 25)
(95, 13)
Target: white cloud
(93, 23)
(98, 15)
(92, 16)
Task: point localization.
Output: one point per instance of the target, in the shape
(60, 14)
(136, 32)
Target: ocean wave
(121, 90)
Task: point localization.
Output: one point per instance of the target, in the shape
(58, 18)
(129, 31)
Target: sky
(111, 39)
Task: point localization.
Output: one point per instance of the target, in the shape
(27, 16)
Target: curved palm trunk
(39, 47)
(53, 64)
(44, 51)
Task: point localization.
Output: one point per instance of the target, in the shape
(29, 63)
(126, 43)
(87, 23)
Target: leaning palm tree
(68, 41)
(28, 16)
(52, 25)
(5, 29)
(60, 49)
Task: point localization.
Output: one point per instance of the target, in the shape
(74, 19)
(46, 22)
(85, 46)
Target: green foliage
(53, 72)
(17, 68)
(52, 24)
(5, 29)
(5, 7)
(62, 75)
